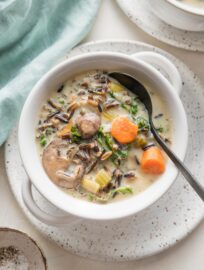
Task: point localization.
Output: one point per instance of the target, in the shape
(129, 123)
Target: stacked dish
(183, 14)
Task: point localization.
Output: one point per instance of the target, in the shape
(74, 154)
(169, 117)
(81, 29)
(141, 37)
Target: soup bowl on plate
(185, 14)
(139, 66)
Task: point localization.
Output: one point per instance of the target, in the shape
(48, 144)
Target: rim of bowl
(80, 208)
(44, 260)
(186, 7)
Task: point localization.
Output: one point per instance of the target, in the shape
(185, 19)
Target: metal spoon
(138, 89)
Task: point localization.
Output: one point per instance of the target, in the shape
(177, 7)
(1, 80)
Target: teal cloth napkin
(34, 34)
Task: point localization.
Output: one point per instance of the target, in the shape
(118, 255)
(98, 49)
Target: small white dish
(140, 14)
(179, 15)
(136, 66)
(19, 251)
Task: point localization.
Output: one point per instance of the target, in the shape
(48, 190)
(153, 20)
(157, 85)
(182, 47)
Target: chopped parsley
(134, 108)
(125, 106)
(122, 190)
(107, 142)
(75, 135)
(61, 101)
(131, 108)
(142, 123)
(112, 94)
(48, 131)
(43, 140)
(125, 190)
(160, 129)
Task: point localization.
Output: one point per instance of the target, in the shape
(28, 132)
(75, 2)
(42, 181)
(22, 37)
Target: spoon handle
(179, 164)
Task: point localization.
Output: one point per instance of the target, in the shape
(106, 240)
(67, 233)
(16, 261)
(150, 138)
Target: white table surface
(111, 23)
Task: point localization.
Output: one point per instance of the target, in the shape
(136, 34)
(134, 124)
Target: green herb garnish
(107, 142)
(125, 106)
(142, 123)
(104, 199)
(134, 108)
(122, 190)
(61, 101)
(48, 131)
(112, 94)
(100, 137)
(43, 140)
(75, 135)
(160, 129)
(131, 108)
(90, 197)
(122, 153)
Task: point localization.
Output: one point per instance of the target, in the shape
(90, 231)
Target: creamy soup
(94, 138)
(195, 3)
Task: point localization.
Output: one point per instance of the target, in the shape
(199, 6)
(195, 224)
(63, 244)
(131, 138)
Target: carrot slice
(65, 130)
(152, 161)
(123, 130)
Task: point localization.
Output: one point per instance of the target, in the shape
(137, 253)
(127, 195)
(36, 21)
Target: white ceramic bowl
(178, 14)
(52, 80)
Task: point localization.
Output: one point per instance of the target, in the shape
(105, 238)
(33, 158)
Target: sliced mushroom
(56, 165)
(88, 124)
(70, 180)
(52, 161)
(71, 152)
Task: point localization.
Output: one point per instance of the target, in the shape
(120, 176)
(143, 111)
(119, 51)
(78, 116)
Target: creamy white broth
(75, 90)
(195, 3)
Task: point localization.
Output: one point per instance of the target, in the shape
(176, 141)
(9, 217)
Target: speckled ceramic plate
(20, 252)
(139, 13)
(162, 225)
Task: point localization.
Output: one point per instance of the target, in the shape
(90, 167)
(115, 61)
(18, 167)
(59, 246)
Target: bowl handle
(163, 63)
(39, 213)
